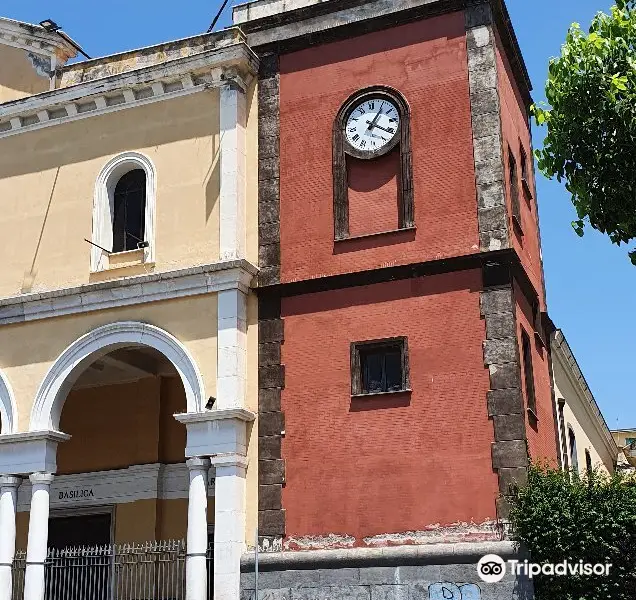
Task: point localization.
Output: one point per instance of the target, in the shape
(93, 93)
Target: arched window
(128, 211)
(124, 209)
(573, 452)
(588, 462)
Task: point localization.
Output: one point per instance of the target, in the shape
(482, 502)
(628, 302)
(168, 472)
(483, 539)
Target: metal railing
(150, 571)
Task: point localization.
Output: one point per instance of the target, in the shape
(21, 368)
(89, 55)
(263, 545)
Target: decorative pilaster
(197, 536)
(229, 524)
(233, 117)
(8, 500)
(232, 349)
(38, 536)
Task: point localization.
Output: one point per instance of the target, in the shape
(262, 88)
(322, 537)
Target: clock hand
(375, 119)
(380, 127)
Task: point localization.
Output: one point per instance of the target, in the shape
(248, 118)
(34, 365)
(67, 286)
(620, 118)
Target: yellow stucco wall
(586, 430)
(18, 78)
(47, 183)
(27, 350)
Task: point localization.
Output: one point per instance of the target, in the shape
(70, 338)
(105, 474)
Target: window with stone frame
(513, 176)
(525, 173)
(528, 372)
(379, 366)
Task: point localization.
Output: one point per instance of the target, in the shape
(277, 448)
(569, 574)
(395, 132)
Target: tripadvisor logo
(492, 568)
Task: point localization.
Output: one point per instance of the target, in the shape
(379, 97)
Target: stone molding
(118, 486)
(204, 279)
(168, 80)
(217, 432)
(30, 452)
(466, 552)
(35, 40)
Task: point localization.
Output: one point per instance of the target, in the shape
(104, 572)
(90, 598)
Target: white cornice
(242, 414)
(35, 39)
(205, 279)
(137, 482)
(563, 353)
(174, 78)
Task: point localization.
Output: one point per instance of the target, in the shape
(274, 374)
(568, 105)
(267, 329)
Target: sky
(591, 284)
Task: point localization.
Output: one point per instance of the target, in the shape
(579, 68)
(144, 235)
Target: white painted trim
(119, 486)
(140, 289)
(34, 38)
(103, 199)
(59, 379)
(30, 452)
(232, 124)
(8, 407)
(242, 414)
(197, 67)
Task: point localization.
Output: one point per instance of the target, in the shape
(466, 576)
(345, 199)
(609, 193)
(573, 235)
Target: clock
(371, 126)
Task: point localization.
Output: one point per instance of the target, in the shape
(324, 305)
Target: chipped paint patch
(319, 542)
(487, 531)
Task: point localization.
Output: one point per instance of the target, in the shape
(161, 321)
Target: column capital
(41, 478)
(198, 463)
(9, 481)
(229, 460)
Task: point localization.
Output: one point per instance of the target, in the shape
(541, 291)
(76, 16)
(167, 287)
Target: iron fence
(150, 571)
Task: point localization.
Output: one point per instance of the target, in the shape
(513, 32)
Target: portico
(116, 384)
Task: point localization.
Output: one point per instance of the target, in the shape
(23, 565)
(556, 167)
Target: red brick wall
(426, 61)
(396, 463)
(516, 134)
(541, 433)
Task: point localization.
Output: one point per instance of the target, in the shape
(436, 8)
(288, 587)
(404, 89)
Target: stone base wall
(432, 572)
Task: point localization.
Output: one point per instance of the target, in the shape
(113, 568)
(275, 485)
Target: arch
(406, 210)
(66, 369)
(8, 407)
(103, 206)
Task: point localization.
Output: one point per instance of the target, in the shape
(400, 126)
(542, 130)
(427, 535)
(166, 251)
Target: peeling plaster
(436, 534)
(319, 542)
(41, 64)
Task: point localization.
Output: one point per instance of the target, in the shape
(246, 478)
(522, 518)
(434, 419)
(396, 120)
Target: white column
(232, 349)
(38, 536)
(8, 500)
(232, 121)
(229, 525)
(197, 536)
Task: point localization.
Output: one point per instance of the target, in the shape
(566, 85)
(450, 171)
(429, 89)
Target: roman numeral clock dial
(372, 127)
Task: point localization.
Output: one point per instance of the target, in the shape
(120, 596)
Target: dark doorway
(81, 530)
(80, 561)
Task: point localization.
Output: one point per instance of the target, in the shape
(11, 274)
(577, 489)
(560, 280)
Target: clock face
(372, 125)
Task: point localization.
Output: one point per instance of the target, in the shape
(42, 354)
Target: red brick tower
(404, 376)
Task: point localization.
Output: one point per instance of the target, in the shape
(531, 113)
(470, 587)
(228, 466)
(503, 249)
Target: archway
(8, 408)
(62, 375)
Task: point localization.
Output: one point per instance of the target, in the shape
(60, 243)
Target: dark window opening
(379, 366)
(514, 188)
(588, 462)
(573, 452)
(562, 436)
(528, 373)
(525, 173)
(129, 210)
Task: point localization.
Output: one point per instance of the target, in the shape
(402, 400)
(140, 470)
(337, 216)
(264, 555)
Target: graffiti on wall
(452, 591)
